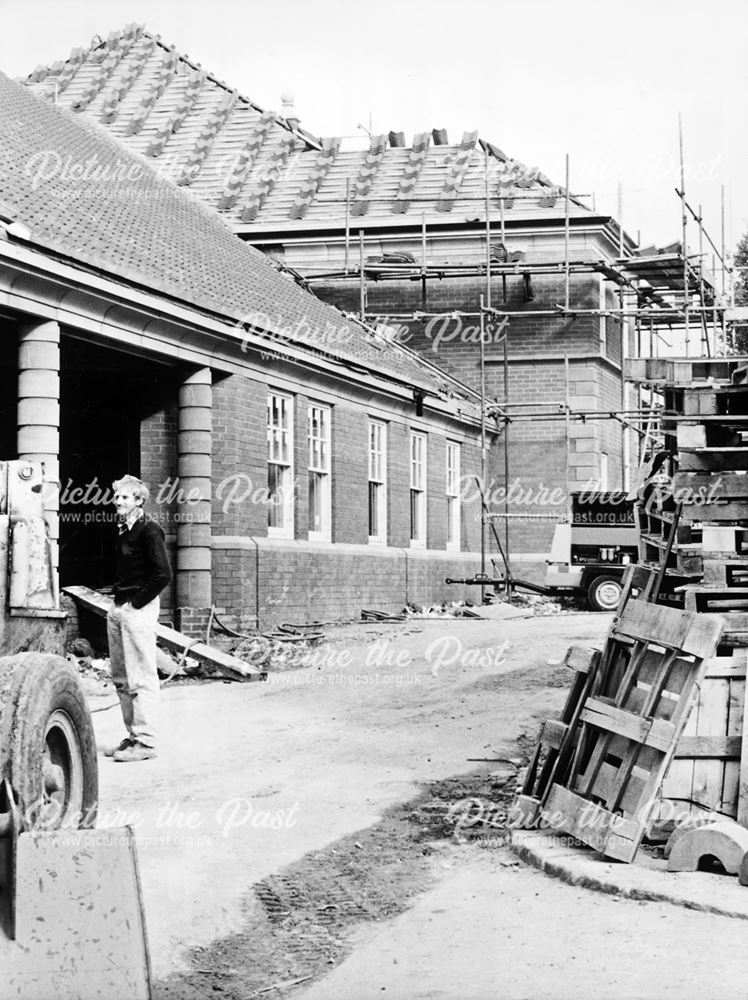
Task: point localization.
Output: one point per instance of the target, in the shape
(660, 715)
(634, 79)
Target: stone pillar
(39, 415)
(194, 445)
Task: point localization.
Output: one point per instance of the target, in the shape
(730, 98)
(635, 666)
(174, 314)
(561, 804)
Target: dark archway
(105, 394)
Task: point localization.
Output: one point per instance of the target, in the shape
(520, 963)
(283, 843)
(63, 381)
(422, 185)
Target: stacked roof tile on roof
(260, 172)
(84, 196)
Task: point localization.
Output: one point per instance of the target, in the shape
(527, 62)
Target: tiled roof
(259, 171)
(84, 196)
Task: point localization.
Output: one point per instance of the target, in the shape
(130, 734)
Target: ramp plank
(220, 663)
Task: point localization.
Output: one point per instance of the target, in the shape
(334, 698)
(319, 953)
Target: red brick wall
(295, 580)
(301, 582)
(158, 468)
(239, 456)
(350, 475)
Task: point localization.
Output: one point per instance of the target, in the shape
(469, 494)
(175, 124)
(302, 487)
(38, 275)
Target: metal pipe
(567, 428)
(362, 286)
(506, 442)
(722, 215)
(488, 239)
(684, 222)
(482, 444)
(347, 220)
(674, 313)
(566, 235)
(620, 219)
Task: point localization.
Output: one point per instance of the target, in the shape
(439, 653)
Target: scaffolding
(659, 293)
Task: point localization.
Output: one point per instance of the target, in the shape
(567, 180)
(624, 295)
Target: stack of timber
(706, 428)
(657, 738)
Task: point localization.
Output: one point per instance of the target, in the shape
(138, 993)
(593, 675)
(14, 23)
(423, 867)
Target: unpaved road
(291, 833)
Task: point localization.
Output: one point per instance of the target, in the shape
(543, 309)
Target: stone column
(194, 446)
(39, 415)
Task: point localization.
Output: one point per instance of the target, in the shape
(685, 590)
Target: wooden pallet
(554, 751)
(651, 666)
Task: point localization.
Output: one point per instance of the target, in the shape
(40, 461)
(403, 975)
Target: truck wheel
(47, 745)
(604, 593)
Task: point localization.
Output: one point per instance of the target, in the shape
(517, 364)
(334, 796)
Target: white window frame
(377, 452)
(319, 447)
(281, 454)
(604, 473)
(417, 463)
(452, 490)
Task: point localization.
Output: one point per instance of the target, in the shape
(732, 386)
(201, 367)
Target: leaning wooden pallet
(628, 739)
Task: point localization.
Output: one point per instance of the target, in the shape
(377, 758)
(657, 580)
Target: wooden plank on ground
(215, 660)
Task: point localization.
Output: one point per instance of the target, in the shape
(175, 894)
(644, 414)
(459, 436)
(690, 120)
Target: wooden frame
(652, 663)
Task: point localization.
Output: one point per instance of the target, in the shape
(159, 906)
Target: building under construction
(490, 270)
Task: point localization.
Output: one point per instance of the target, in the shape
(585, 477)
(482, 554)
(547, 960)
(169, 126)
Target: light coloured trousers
(132, 657)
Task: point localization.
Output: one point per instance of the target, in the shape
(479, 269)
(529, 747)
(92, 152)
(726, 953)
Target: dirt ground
(337, 832)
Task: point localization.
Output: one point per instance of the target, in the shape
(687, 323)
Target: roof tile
(85, 197)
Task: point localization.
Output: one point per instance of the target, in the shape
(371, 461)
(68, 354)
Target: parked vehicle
(589, 554)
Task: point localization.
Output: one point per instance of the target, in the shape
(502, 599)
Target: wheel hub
(62, 774)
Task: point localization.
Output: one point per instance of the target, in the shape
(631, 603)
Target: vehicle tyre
(604, 593)
(47, 745)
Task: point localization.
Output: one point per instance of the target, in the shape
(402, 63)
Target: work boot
(135, 751)
(126, 742)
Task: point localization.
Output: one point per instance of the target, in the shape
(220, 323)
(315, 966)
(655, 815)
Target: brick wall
(286, 581)
(158, 468)
(398, 484)
(239, 456)
(350, 475)
(297, 580)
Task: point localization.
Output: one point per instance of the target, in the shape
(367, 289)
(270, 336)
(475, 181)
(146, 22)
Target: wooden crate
(653, 661)
(705, 771)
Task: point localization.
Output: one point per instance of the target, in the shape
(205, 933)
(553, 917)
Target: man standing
(142, 572)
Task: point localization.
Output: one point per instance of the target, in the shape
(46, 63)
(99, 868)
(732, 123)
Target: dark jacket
(141, 566)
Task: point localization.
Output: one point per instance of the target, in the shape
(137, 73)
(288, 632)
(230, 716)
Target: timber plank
(649, 732)
(651, 623)
(223, 664)
(708, 776)
(715, 511)
(707, 484)
(713, 460)
(726, 747)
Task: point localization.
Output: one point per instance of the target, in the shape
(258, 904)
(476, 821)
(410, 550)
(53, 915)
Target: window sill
(280, 533)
